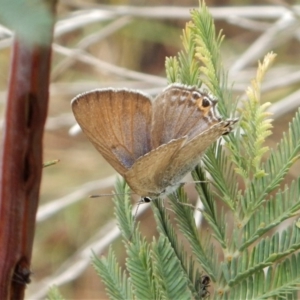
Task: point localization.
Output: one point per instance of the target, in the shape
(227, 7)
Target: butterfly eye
(206, 102)
(146, 199)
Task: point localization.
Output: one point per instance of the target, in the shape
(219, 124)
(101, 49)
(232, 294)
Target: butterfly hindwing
(146, 177)
(190, 154)
(180, 110)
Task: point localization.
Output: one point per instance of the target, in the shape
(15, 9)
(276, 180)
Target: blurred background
(124, 44)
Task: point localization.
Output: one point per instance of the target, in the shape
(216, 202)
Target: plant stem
(21, 160)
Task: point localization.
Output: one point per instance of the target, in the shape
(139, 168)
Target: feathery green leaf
(166, 229)
(139, 266)
(172, 282)
(123, 209)
(54, 294)
(284, 205)
(117, 284)
(187, 225)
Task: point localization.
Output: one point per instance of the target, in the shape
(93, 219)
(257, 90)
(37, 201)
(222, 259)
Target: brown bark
(21, 161)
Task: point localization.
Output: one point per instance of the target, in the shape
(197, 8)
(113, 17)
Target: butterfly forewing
(117, 122)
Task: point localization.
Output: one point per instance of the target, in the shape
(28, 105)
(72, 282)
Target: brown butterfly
(151, 143)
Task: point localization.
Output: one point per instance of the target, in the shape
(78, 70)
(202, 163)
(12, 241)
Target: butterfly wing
(146, 177)
(117, 122)
(189, 155)
(181, 110)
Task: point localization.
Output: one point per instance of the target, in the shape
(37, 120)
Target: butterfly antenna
(104, 195)
(200, 209)
(196, 181)
(201, 181)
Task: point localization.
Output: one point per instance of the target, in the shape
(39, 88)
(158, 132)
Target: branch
(21, 157)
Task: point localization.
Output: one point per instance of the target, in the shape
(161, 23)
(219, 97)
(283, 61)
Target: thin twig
(285, 105)
(182, 12)
(110, 68)
(53, 207)
(88, 41)
(279, 33)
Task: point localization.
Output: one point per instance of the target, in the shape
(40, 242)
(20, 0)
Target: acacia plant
(240, 186)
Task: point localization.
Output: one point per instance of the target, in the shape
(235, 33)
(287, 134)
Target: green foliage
(170, 278)
(243, 196)
(185, 68)
(256, 128)
(159, 270)
(186, 223)
(116, 281)
(54, 294)
(122, 210)
(139, 265)
(281, 282)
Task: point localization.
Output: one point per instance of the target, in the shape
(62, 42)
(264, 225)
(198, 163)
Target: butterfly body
(151, 143)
